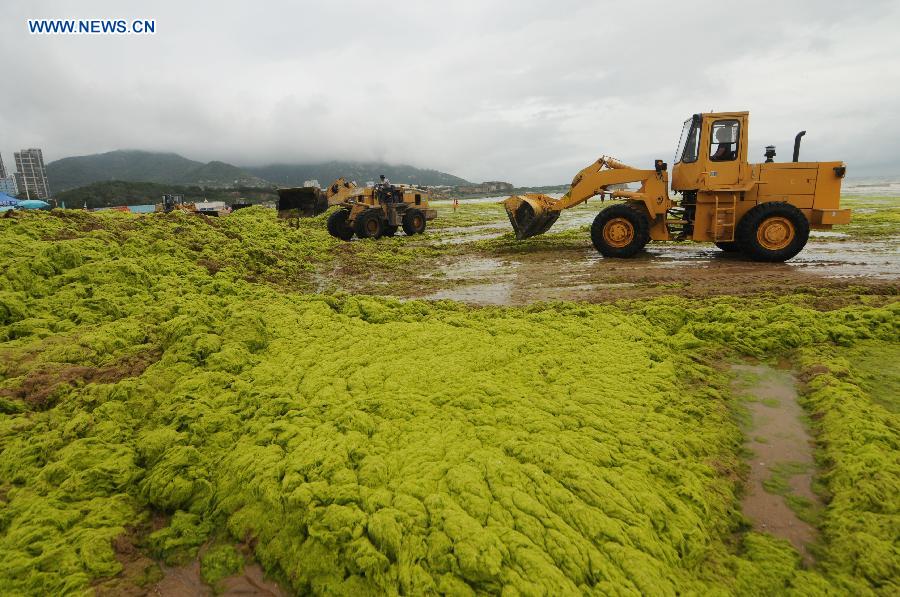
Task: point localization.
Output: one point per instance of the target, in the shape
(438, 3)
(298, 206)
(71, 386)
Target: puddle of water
(468, 238)
(872, 259)
(476, 294)
(778, 440)
(469, 229)
(468, 268)
(699, 269)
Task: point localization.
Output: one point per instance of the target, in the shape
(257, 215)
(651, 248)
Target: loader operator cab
(385, 191)
(711, 152)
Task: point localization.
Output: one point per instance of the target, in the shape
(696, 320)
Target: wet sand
(685, 269)
(185, 581)
(526, 272)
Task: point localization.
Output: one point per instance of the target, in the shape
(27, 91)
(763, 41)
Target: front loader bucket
(301, 202)
(530, 214)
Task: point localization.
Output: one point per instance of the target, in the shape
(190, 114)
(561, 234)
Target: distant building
(31, 176)
(312, 183)
(210, 206)
(490, 186)
(8, 185)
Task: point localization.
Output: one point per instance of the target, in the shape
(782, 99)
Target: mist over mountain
(296, 174)
(171, 168)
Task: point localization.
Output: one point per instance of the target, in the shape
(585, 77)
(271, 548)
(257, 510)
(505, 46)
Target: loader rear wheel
(413, 222)
(369, 224)
(338, 226)
(390, 230)
(729, 246)
(620, 231)
(773, 231)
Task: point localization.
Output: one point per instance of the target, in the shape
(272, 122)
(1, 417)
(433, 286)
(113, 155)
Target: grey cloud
(524, 91)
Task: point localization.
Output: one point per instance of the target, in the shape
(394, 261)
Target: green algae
(860, 455)
(575, 238)
(875, 370)
(180, 541)
(370, 446)
(872, 218)
(220, 561)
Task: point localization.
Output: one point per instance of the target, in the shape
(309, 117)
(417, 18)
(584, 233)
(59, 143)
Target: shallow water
(777, 437)
(580, 273)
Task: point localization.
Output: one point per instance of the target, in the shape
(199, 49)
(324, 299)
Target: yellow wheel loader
(373, 212)
(764, 210)
(172, 203)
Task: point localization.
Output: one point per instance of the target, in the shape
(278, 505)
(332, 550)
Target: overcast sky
(523, 91)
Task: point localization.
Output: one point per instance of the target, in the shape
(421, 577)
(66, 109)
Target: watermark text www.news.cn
(92, 26)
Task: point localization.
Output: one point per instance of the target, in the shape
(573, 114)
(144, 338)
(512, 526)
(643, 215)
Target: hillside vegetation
(171, 168)
(145, 166)
(119, 192)
(362, 172)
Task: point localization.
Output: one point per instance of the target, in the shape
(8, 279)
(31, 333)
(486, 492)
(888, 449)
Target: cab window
(724, 138)
(689, 141)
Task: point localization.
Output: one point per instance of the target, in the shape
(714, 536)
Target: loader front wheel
(369, 224)
(620, 231)
(338, 226)
(773, 231)
(413, 222)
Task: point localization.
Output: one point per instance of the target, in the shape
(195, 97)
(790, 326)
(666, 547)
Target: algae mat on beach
(360, 445)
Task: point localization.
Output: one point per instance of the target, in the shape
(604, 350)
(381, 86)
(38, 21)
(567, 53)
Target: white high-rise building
(7, 183)
(31, 176)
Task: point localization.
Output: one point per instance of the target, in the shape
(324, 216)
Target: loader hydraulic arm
(535, 213)
(338, 191)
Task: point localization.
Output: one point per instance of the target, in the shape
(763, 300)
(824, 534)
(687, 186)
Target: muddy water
(688, 269)
(575, 271)
(776, 437)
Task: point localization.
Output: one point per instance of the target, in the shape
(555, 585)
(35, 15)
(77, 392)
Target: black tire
(779, 218)
(629, 225)
(729, 246)
(370, 224)
(338, 226)
(390, 230)
(413, 222)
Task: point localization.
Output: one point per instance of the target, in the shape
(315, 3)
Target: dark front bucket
(529, 216)
(302, 202)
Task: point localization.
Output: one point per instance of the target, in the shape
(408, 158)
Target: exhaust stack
(797, 145)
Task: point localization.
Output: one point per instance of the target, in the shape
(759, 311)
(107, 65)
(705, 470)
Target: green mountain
(289, 175)
(145, 166)
(171, 168)
(220, 174)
